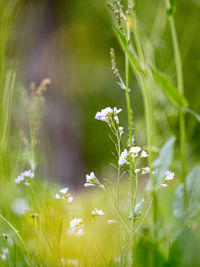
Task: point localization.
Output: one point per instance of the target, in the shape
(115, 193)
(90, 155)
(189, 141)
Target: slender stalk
(180, 85)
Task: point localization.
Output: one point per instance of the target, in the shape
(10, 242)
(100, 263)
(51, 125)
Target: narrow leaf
(163, 161)
(169, 89)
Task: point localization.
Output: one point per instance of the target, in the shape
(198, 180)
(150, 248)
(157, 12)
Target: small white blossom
(123, 157)
(116, 119)
(76, 227)
(135, 150)
(121, 130)
(97, 212)
(63, 194)
(163, 185)
(116, 111)
(155, 171)
(144, 154)
(169, 176)
(145, 170)
(103, 114)
(91, 181)
(25, 178)
(137, 170)
(4, 253)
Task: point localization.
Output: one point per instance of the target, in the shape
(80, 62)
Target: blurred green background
(69, 42)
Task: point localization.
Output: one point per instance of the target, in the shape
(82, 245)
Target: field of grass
(140, 209)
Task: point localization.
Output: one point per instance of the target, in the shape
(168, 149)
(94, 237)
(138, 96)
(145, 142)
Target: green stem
(180, 85)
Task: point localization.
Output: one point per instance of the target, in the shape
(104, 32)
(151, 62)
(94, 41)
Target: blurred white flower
(145, 170)
(76, 227)
(123, 157)
(116, 119)
(135, 150)
(169, 175)
(63, 194)
(163, 185)
(155, 171)
(4, 253)
(20, 206)
(137, 170)
(25, 178)
(144, 154)
(121, 130)
(103, 114)
(97, 212)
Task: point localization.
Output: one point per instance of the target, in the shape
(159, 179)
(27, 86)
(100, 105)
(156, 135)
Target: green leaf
(178, 205)
(172, 8)
(193, 196)
(130, 52)
(163, 161)
(193, 113)
(169, 89)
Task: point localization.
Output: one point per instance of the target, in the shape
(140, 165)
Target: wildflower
(25, 178)
(135, 150)
(97, 212)
(116, 119)
(116, 111)
(137, 170)
(63, 194)
(20, 206)
(123, 157)
(121, 130)
(107, 115)
(155, 171)
(144, 154)
(163, 185)
(91, 181)
(145, 170)
(76, 227)
(103, 115)
(169, 175)
(4, 253)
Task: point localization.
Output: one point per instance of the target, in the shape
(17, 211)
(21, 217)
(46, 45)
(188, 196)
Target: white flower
(4, 253)
(97, 212)
(137, 170)
(116, 111)
(145, 170)
(57, 196)
(25, 177)
(91, 181)
(116, 119)
(144, 154)
(70, 199)
(135, 150)
(76, 227)
(103, 114)
(121, 130)
(122, 158)
(169, 176)
(163, 185)
(63, 194)
(64, 190)
(20, 206)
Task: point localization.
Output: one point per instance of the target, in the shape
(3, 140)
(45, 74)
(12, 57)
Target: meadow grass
(145, 211)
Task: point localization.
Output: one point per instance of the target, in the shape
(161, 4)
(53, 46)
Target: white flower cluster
(4, 253)
(63, 194)
(25, 178)
(97, 212)
(91, 181)
(109, 116)
(133, 153)
(169, 177)
(76, 227)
